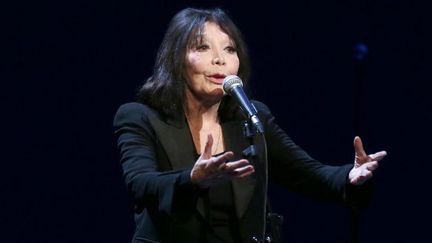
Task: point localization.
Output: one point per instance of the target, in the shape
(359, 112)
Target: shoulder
(133, 112)
(261, 107)
(264, 113)
(133, 108)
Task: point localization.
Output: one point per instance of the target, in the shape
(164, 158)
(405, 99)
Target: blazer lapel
(243, 188)
(176, 140)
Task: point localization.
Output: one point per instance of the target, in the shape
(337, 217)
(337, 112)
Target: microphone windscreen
(230, 82)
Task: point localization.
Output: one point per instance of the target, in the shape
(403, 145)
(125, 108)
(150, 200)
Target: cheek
(194, 63)
(236, 65)
(193, 68)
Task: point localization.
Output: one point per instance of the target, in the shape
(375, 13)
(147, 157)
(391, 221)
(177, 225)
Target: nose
(218, 58)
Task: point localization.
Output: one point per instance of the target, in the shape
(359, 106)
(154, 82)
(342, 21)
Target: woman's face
(209, 62)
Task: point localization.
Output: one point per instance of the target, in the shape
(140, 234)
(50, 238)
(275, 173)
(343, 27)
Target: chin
(217, 92)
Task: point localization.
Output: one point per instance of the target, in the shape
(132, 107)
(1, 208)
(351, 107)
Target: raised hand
(209, 171)
(364, 164)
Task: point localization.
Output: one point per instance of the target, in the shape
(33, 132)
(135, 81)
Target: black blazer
(157, 154)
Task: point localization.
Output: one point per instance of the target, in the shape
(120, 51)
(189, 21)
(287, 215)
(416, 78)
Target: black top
(220, 214)
(222, 218)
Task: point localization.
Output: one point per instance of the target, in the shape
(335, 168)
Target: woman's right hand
(209, 171)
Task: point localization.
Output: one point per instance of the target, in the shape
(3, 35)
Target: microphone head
(230, 82)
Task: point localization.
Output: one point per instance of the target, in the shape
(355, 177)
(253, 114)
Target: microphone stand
(274, 221)
(361, 52)
(271, 220)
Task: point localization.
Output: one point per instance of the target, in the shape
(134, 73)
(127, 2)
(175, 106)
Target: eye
(202, 47)
(231, 49)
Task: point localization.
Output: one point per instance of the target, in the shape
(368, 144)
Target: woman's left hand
(364, 164)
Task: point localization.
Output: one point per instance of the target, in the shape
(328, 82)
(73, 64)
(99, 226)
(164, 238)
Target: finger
(244, 171)
(378, 156)
(358, 147)
(216, 162)
(225, 156)
(371, 166)
(366, 174)
(231, 166)
(208, 147)
(362, 178)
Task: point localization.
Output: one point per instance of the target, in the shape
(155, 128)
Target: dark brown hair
(165, 89)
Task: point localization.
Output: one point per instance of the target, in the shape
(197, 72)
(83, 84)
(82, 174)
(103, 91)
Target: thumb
(358, 147)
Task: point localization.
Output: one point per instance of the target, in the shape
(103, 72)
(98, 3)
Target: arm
(163, 191)
(292, 167)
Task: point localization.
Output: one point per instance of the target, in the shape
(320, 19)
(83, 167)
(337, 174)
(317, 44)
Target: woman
(181, 144)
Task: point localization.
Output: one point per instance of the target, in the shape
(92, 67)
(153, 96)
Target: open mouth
(217, 78)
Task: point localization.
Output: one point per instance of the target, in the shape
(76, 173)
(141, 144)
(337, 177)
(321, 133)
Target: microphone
(233, 86)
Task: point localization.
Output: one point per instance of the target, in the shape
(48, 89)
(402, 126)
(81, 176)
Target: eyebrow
(199, 38)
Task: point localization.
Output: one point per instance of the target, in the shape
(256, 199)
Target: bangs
(197, 36)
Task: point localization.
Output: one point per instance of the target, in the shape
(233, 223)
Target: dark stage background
(329, 70)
